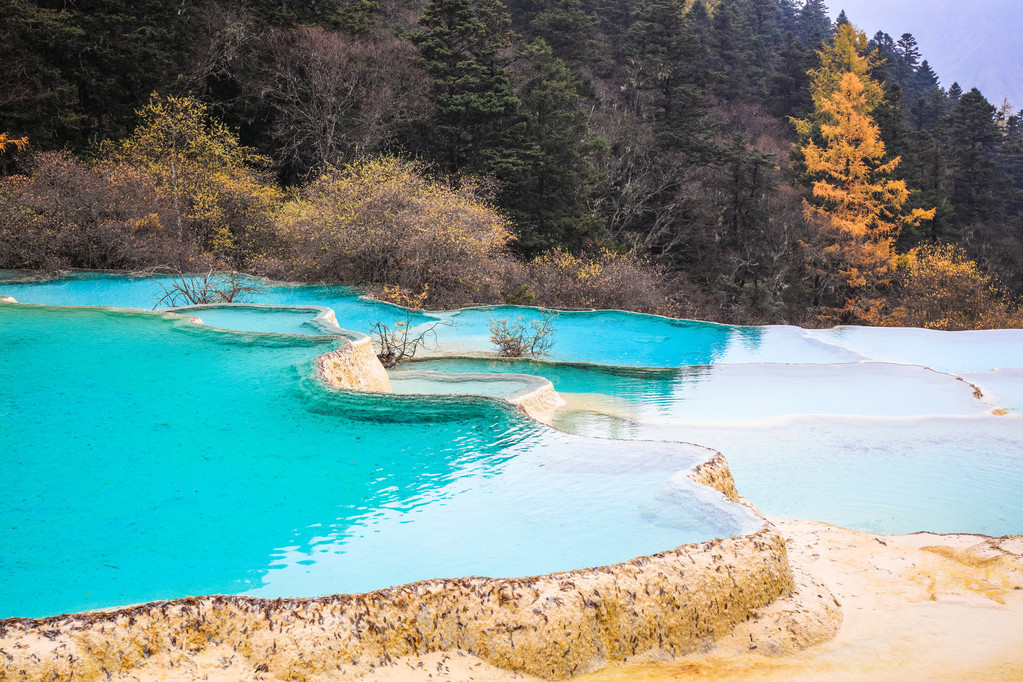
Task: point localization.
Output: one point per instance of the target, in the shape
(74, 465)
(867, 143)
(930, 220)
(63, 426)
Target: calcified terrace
(554, 625)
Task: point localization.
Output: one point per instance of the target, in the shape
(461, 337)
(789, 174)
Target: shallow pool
(148, 458)
(288, 489)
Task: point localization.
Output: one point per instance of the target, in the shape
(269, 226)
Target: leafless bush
(397, 342)
(519, 338)
(558, 279)
(64, 213)
(212, 287)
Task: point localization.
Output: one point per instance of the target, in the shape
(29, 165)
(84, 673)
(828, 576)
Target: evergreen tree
(569, 31)
(731, 52)
(666, 55)
(955, 92)
(789, 85)
(548, 200)
(891, 67)
(971, 138)
(763, 19)
(926, 78)
(814, 26)
(908, 50)
(788, 15)
(478, 124)
(891, 121)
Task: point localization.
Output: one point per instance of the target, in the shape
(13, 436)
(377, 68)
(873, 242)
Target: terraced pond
(136, 441)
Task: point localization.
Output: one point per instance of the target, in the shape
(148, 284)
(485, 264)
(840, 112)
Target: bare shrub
(64, 213)
(212, 287)
(398, 343)
(383, 221)
(519, 338)
(558, 279)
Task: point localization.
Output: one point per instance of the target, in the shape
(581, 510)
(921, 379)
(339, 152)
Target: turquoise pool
(874, 446)
(148, 458)
(253, 478)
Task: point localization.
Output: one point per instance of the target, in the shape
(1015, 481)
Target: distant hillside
(975, 44)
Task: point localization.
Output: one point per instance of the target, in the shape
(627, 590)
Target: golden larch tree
(856, 205)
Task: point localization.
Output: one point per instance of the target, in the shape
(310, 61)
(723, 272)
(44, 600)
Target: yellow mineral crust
(354, 367)
(714, 473)
(551, 626)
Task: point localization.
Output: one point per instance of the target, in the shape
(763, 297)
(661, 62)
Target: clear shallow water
(1002, 387)
(740, 393)
(593, 337)
(582, 337)
(969, 351)
(832, 437)
(426, 386)
(121, 291)
(877, 447)
(281, 321)
(885, 476)
(610, 337)
(133, 443)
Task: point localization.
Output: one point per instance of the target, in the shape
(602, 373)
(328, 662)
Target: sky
(976, 43)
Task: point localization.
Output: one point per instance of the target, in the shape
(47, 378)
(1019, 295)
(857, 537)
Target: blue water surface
(132, 442)
(148, 458)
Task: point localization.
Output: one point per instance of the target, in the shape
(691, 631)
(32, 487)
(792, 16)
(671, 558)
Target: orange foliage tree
(857, 206)
(18, 143)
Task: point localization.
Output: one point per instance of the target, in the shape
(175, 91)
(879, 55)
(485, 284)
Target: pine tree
(971, 138)
(549, 199)
(814, 26)
(569, 30)
(731, 52)
(908, 50)
(955, 91)
(666, 58)
(478, 125)
(789, 85)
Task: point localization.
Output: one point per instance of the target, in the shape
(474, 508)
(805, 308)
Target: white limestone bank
(354, 367)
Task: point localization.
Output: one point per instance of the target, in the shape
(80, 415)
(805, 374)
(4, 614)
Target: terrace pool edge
(553, 625)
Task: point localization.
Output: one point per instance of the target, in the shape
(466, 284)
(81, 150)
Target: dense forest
(744, 161)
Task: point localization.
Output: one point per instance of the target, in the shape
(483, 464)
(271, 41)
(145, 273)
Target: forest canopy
(744, 161)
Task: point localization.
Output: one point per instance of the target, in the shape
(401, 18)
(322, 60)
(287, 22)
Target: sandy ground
(914, 607)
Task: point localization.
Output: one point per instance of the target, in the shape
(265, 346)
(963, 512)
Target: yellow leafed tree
(856, 205)
(222, 197)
